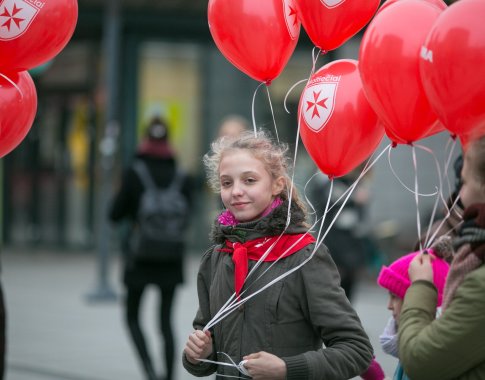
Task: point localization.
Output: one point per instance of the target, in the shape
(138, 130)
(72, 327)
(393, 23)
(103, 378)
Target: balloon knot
(410, 143)
(331, 177)
(323, 52)
(394, 144)
(453, 136)
(268, 82)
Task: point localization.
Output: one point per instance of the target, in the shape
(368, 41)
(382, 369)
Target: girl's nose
(389, 305)
(237, 189)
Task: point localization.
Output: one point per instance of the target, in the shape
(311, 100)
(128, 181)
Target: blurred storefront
(168, 66)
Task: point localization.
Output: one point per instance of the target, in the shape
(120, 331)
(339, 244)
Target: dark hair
(458, 166)
(476, 154)
(157, 129)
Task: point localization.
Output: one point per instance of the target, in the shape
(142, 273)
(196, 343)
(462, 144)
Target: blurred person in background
(348, 240)
(233, 125)
(164, 269)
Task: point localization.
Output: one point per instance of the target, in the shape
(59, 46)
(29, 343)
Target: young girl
(451, 347)
(302, 326)
(395, 279)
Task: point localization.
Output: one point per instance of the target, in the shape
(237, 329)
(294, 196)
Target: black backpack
(162, 217)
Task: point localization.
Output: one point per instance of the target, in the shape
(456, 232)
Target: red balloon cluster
(339, 128)
(259, 37)
(430, 77)
(421, 68)
(32, 32)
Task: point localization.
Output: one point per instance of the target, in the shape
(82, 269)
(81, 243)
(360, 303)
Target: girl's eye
(225, 183)
(250, 180)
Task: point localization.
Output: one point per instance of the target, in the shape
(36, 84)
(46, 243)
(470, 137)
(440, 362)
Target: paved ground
(55, 334)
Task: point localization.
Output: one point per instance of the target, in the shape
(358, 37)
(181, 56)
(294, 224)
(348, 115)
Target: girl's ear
(278, 185)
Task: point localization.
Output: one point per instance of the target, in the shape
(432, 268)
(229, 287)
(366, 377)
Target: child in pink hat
(395, 279)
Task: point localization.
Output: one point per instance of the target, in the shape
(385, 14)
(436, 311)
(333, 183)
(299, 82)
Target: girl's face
(395, 304)
(472, 190)
(247, 189)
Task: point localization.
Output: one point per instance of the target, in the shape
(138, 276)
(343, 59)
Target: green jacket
(293, 319)
(451, 347)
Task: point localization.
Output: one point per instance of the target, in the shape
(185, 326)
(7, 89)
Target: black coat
(125, 207)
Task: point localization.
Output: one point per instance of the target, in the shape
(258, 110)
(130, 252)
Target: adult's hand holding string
(421, 268)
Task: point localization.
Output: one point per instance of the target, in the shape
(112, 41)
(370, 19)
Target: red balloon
(452, 66)
(34, 31)
(18, 106)
(389, 67)
(439, 3)
(436, 128)
(258, 37)
(338, 126)
(330, 23)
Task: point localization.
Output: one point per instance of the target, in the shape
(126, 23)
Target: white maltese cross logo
(15, 18)
(318, 103)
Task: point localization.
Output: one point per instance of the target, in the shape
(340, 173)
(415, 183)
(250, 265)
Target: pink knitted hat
(395, 277)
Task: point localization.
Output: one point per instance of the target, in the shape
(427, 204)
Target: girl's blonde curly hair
(272, 154)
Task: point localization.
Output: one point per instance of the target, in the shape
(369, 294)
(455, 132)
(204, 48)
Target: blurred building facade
(168, 65)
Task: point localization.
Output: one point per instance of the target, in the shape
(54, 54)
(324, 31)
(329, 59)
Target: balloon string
(401, 182)
(312, 71)
(233, 303)
(319, 241)
(240, 367)
(272, 114)
(429, 240)
(13, 84)
(289, 91)
(416, 196)
(297, 138)
(439, 191)
(253, 107)
(450, 146)
(310, 204)
(366, 169)
(448, 214)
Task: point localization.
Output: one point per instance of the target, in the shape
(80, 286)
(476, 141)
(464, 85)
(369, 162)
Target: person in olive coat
(453, 346)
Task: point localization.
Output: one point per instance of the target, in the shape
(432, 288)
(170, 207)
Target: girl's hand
(199, 346)
(420, 268)
(265, 366)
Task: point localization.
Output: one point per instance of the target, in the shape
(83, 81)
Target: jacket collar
(271, 225)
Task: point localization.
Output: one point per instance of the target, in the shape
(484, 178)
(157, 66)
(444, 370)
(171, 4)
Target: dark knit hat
(395, 277)
(157, 129)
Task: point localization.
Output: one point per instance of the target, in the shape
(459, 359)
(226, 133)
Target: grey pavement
(54, 333)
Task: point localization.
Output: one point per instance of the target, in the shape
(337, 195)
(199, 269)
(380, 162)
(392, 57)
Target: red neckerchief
(255, 249)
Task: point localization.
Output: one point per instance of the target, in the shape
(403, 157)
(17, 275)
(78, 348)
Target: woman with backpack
(156, 262)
